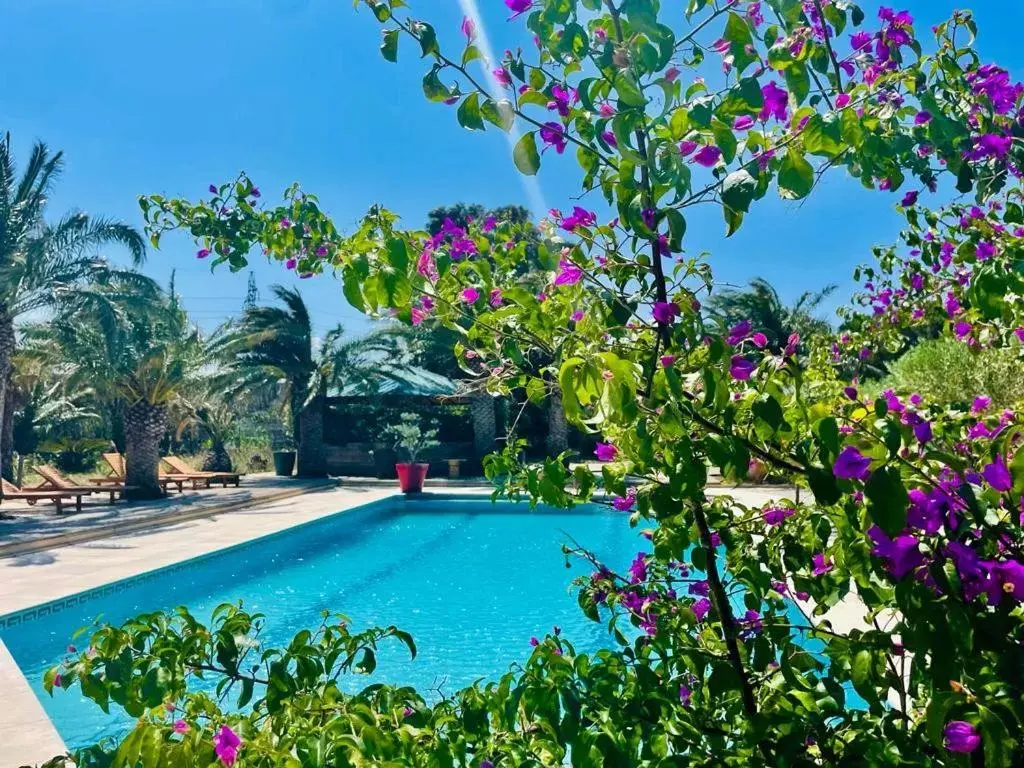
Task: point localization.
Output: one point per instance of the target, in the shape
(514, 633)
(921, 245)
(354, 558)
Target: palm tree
(42, 264)
(763, 307)
(142, 360)
(274, 347)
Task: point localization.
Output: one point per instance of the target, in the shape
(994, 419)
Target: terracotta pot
(411, 477)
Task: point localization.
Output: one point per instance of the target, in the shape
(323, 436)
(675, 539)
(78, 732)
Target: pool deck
(54, 557)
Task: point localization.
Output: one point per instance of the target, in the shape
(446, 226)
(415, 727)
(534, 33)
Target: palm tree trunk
(311, 459)
(144, 427)
(558, 428)
(6, 362)
(217, 459)
(7, 432)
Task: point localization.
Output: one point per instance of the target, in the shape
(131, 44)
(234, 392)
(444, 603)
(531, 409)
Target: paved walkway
(25, 528)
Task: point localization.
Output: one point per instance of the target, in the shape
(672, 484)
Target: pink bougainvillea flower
(962, 330)
(687, 147)
(701, 608)
(568, 273)
(625, 503)
(791, 345)
(489, 224)
(923, 431)
(776, 100)
(606, 452)
(740, 368)
(226, 744)
(502, 77)
(981, 404)
(213, 189)
(494, 299)
(468, 28)
(290, 264)
(776, 515)
(576, 316)
(202, 253)
(518, 7)
(665, 312)
(58, 680)
(739, 332)
(860, 41)
(960, 736)
(562, 99)
(606, 110)
(180, 726)
(743, 123)
(553, 135)
(708, 156)
(609, 138)
(997, 475)
(760, 340)
(580, 217)
(671, 74)
(667, 360)
(638, 568)
(910, 199)
(822, 564)
(417, 316)
(923, 117)
(851, 464)
(842, 100)
(685, 694)
(984, 251)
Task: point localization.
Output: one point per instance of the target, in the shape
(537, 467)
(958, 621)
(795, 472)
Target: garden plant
(721, 650)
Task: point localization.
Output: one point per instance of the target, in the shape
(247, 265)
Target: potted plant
(284, 456)
(409, 436)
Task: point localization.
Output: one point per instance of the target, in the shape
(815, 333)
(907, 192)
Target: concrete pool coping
(40, 579)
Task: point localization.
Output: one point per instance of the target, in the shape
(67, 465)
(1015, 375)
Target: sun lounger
(115, 461)
(13, 492)
(180, 467)
(54, 479)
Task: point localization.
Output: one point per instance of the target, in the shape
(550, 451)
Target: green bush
(945, 372)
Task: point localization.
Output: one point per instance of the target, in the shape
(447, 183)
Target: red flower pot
(411, 477)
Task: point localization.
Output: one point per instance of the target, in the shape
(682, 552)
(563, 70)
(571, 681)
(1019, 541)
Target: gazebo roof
(410, 381)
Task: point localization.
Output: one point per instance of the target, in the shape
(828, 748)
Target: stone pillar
(312, 459)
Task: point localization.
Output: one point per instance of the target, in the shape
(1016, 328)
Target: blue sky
(169, 97)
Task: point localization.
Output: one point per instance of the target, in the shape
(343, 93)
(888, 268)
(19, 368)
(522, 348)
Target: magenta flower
(707, 156)
(518, 7)
(687, 147)
(960, 736)
(739, 332)
(981, 404)
(776, 515)
(534, 642)
(760, 340)
(984, 251)
(910, 199)
(580, 217)
(822, 564)
(576, 316)
(502, 77)
(180, 726)
(776, 100)
(609, 138)
(740, 368)
(553, 135)
(417, 316)
(671, 74)
(213, 189)
(851, 464)
(743, 123)
(667, 360)
(923, 117)
(860, 40)
(665, 312)
(226, 744)
(923, 431)
(701, 608)
(290, 264)
(625, 503)
(638, 569)
(997, 474)
(489, 224)
(202, 253)
(684, 694)
(842, 100)
(568, 273)
(495, 298)
(901, 555)
(606, 452)
(606, 110)
(58, 680)
(791, 344)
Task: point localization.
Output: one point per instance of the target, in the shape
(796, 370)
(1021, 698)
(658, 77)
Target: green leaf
(525, 154)
(389, 45)
(796, 176)
(823, 485)
(498, 113)
(862, 674)
(887, 500)
(738, 190)
(469, 113)
(433, 88)
(398, 254)
(822, 137)
(767, 409)
(427, 38)
(797, 81)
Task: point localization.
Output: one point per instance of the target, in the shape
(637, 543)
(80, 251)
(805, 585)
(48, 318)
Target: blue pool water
(471, 580)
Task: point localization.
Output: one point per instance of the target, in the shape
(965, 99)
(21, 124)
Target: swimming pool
(471, 580)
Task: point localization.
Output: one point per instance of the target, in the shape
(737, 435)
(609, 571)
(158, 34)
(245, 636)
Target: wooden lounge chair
(180, 467)
(115, 461)
(11, 491)
(54, 479)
